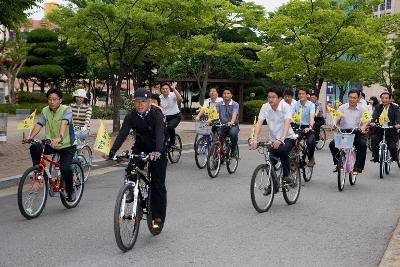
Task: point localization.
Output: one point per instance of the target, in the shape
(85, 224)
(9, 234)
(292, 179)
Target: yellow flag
(103, 140)
(384, 117)
(296, 118)
(365, 116)
(28, 122)
(253, 128)
(334, 113)
(213, 114)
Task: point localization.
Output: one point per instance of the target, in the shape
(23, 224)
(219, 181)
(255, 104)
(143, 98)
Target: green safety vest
(53, 124)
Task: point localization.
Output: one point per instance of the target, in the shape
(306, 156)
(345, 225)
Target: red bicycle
(37, 182)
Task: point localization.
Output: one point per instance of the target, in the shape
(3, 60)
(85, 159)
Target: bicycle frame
(383, 145)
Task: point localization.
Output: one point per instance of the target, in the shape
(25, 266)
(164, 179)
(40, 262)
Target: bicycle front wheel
(398, 157)
(262, 189)
(32, 193)
(201, 152)
(175, 151)
(381, 162)
(214, 161)
(86, 161)
(341, 172)
(233, 162)
(126, 218)
(322, 139)
(77, 185)
(291, 192)
(306, 170)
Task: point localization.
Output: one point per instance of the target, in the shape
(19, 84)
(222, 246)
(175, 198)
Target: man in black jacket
(148, 124)
(391, 134)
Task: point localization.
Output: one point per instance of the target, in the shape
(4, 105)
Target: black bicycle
(175, 149)
(302, 149)
(265, 182)
(133, 200)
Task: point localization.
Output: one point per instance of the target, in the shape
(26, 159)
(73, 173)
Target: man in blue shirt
(307, 122)
(228, 111)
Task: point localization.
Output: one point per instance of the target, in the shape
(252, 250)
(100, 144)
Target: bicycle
(347, 154)
(322, 139)
(266, 183)
(220, 152)
(301, 148)
(203, 144)
(385, 159)
(37, 182)
(137, 187)
(175, 150)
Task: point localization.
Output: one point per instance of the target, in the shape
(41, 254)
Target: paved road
(212, 223)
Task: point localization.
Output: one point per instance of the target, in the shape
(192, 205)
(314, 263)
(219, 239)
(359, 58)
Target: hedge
(250, 109)
(102, 113)
(11, 108)
(29, 98)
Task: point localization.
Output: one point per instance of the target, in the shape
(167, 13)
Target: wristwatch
(62, 139)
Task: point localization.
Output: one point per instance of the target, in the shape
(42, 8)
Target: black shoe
(287, 180)
(335, 169)
(157, 226)
(129, 197)
(71, 197)
(356, 171)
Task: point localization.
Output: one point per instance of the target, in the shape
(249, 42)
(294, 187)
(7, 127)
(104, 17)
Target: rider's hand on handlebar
(306, 130)
(230, 124)
(253, 144)
(55, 141)
(154, 156)
(276, 144)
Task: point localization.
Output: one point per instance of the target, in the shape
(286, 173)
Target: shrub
(102, 113)
(11, 108)
(251, 108)
(29, 98)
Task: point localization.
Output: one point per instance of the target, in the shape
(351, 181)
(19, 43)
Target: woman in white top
(169, 103)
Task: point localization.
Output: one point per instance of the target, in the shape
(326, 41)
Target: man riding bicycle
(210, 103)
(169, 99)
(351, 120)
(307, 110)
(386, 108)
(228, 111)
(277, 113)
(319, 115)
(147, 122)
(57, 120)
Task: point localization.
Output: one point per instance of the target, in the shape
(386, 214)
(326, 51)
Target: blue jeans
(233, 133)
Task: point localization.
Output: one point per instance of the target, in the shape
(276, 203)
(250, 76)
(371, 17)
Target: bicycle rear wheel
(233, 162)
(262, 188)
(398, 157)
(201, 152)
(126, 218)
(307, 171)
(175, 151)
(291, 192)
(381, 162)
(78, 186)
(214, 161)
(32, 193)
(87, 160)
(341, 172)
(322, 139)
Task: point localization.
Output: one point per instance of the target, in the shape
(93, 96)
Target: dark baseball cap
(142, 94)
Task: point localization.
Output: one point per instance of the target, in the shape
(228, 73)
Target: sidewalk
(15, 157)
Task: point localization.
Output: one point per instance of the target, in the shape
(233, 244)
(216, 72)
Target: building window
(388, 4)
(383, 5)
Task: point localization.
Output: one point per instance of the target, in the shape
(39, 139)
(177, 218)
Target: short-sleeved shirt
(169, 104)
(363, 103)
(292, 105)
(306, 111)
(210, 104)
(276, 119)
(225, 112)
(352, 116)
(66, 116)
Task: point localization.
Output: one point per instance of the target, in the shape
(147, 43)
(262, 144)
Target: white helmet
(80, 93)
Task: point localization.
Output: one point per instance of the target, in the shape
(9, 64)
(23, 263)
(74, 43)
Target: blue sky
(270, 5)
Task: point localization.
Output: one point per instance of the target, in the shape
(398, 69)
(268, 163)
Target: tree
(42, 63)
(306, 37)
(74, 66)
(11, 61)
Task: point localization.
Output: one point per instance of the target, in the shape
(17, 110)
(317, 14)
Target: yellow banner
(365, 116)
(296, 118)
(103, 140)
(28, 122)
(384, 117)
(213, 114)
(334, 113)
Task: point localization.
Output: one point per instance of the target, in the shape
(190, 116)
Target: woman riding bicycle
(349, 121)
(81, 114)
(57, 120)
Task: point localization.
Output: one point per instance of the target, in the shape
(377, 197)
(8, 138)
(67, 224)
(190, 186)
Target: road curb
(391, 257)
(97, 164)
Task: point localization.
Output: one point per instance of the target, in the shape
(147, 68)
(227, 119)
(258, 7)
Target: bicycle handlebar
(127, 155)
(357, 129)
(33, 141)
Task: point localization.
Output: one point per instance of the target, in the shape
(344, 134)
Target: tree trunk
(42, 86)
(10, 84)
(108, 93)
(116, 103)
(205, 81)
(342, 91)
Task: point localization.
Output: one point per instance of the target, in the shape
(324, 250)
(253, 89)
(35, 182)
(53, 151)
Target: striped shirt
(81, 114)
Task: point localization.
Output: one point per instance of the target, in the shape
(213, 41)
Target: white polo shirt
(169, 104)
(209, 103)
(276, 119)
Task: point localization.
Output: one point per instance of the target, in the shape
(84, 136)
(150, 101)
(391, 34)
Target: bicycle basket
(202, 128)
(344, 140)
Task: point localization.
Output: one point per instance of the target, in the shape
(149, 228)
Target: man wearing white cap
(81, 114)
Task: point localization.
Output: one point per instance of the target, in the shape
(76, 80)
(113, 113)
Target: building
(387, 7)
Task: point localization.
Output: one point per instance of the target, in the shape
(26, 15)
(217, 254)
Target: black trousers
(310, 142)
(283, 154)
(66, 157)
(172, 122)
(158, 171)
(391, 139)
(361, 154)
(319, 121)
